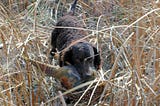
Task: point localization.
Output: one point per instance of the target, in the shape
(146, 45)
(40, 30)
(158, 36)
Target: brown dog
(74, 51)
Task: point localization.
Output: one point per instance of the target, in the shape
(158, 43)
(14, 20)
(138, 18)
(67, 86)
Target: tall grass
(127, 32)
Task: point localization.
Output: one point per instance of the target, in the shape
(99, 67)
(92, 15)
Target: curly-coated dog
(67, 39)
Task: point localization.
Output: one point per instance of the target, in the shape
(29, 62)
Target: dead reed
(126, 31)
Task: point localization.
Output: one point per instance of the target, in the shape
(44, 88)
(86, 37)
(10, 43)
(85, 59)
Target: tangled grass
(127, 32)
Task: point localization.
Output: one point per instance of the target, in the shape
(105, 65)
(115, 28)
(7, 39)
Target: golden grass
(127, 32)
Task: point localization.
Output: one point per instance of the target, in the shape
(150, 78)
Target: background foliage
(127, 32)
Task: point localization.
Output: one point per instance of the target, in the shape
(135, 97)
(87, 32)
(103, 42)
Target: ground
(127, 32)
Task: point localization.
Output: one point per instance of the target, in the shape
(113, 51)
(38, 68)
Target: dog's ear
(65, 57)
(97, 58)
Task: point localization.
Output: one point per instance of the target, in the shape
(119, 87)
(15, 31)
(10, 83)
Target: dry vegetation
(126, 31)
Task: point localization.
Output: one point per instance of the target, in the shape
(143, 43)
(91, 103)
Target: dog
(67, 39)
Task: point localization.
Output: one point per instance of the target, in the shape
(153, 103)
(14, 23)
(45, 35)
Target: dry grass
(126, 31)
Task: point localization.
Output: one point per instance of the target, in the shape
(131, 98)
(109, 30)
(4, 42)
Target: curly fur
(82, 55)
(62, 37)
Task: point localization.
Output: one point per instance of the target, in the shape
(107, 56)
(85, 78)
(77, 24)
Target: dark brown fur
(73, 51)
(63, 37)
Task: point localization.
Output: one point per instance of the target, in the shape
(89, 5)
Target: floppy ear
(97, 58)
(65, 57)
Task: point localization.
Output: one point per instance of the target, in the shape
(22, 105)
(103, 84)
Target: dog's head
(84, 57)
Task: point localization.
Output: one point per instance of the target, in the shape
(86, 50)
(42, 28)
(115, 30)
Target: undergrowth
(127, 32)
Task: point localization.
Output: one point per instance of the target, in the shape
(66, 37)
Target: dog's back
(68, 30)
(68, 33)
